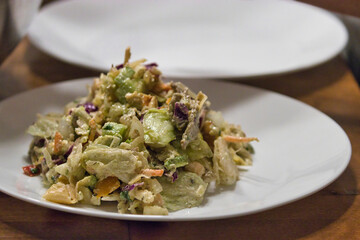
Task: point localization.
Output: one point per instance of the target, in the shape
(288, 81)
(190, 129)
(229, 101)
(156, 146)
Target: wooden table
(332, 213)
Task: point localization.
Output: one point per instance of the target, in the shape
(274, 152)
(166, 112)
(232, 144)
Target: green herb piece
(125, 196)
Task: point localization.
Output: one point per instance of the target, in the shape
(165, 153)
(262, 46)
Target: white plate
(301, 150)
(191, 38)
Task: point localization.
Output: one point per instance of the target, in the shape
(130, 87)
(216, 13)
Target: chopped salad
(150, 146)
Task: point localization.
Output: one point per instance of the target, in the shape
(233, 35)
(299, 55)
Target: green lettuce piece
(198, 149)
(105, 161)
(176, 162)
(158, 128)
(125, 83)
(186, 192)
(108, 140)
(114, 129)
(45, 126)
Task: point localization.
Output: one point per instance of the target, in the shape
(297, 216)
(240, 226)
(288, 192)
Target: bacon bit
(106, 186)
(153, 172)
(239, 139)
(57, 142)
(168, 101)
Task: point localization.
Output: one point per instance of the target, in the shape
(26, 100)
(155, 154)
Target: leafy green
(158, 128)
(187, 191)
(125, 83)
(176, 162)
(125, 196)
(114, 129)
(198, 149)
(45, 126)
(108, 140)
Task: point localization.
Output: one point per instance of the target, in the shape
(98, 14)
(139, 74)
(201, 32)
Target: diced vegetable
(61, 193)
(31, 170)
(106, 186)
(153, 172)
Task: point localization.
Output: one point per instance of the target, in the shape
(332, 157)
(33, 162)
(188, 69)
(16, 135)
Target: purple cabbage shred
(120, 66)
(40, 142)
(181, 111)
(131, 187)
(89, 107)
(68, 152)
(174, 176)
(142, 118)
(150, 65)
(181, 115)
(59, 161)
(202, 117)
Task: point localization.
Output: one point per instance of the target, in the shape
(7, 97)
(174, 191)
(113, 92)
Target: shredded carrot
(239, 139)
(106, 186)
(153, 172)
(168, 100)
(57, 142)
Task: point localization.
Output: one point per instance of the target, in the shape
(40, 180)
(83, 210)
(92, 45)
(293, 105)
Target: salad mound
(151, 147)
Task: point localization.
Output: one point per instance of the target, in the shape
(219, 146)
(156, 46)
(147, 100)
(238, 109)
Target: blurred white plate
(301, 150)
(191, 38)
